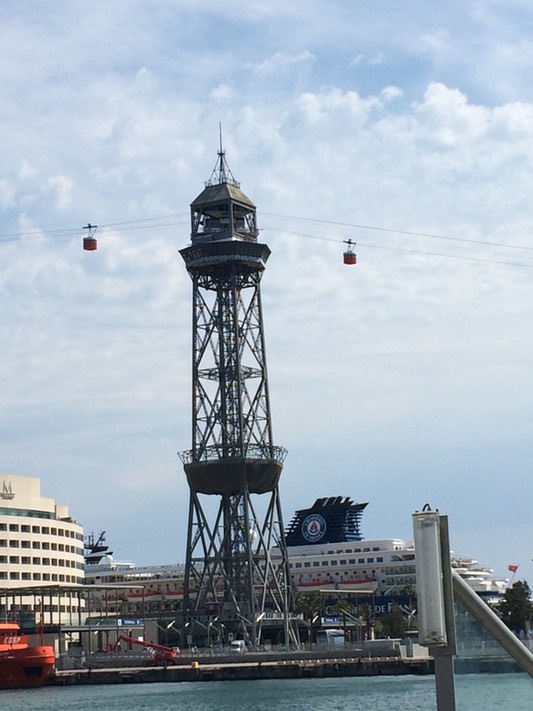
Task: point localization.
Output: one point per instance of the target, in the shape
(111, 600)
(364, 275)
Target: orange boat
(20, 664)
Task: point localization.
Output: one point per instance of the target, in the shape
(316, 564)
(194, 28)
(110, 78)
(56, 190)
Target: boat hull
(26, 667)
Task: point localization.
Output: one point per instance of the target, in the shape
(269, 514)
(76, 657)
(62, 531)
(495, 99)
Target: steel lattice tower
(230, 568)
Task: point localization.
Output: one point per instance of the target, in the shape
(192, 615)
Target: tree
(393, 623)
(516, 608)
(309, 605)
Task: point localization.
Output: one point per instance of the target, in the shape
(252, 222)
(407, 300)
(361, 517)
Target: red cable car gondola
(90, 243)
(350, 257)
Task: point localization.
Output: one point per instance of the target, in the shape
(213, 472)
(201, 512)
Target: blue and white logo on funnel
(313, 528)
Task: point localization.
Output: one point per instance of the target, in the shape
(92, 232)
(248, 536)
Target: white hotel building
(40, 543)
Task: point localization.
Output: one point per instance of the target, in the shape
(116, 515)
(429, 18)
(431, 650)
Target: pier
(252, 666)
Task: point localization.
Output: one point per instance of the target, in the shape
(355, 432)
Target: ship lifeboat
(312, 585)
(173, 595)
(147, 596)
(356, 584)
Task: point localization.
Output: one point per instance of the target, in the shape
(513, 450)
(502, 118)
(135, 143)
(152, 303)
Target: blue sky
(401, 381)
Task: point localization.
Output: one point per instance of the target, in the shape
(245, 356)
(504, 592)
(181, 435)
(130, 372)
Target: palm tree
(310, 606)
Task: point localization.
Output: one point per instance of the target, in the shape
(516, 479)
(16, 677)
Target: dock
(247, 668)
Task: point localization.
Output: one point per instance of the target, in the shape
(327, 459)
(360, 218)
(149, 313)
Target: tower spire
(222, 174)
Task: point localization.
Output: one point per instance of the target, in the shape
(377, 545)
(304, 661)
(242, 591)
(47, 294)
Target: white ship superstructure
(384, 566)
(326, 552)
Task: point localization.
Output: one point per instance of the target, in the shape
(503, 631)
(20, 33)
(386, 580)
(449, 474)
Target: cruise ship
(326, 551)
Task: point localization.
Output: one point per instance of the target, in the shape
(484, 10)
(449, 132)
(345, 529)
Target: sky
(403, 380)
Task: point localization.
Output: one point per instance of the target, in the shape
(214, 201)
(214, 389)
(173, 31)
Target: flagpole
(512, 569)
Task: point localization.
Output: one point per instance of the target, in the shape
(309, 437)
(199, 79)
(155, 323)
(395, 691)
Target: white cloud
(61, 188)
(401, 379)
(280, 60)
(391, 92)
(363, 59)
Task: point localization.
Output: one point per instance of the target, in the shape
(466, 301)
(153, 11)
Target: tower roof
(221, 192)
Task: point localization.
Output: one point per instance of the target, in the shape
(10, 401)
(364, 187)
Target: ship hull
(26, 667)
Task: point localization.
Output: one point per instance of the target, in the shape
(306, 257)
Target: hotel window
(46, 530)
(351, 561)
(370, 560)
(334, 562)
(53, 531)
(13, 559)
(3, 527)
(45, 546)
(3, 543)
(26, 576)
(36, 576)
(316, 564)
(379, 559)
(25, 529)
(375, 548)
(342, 562)
(3, 559)
(360, 560)
(25, 560)
(14, 576)
(25, 544)
(13, 527)
(3, 575)
(13, 544)
(36, 561)
(36, 544)
(307, 565)
(35, 529)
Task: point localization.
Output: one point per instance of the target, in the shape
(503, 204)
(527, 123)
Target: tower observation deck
(233, 467)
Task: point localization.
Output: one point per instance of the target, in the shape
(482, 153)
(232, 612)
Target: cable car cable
(402, 232)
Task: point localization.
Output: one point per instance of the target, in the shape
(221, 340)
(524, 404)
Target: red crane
(162, 655)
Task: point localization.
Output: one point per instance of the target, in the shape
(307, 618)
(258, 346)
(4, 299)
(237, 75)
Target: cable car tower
(233, 468)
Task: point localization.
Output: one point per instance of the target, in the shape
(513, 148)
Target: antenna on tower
(221, 172)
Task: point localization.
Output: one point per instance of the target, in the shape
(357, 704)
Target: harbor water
(483, 692)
